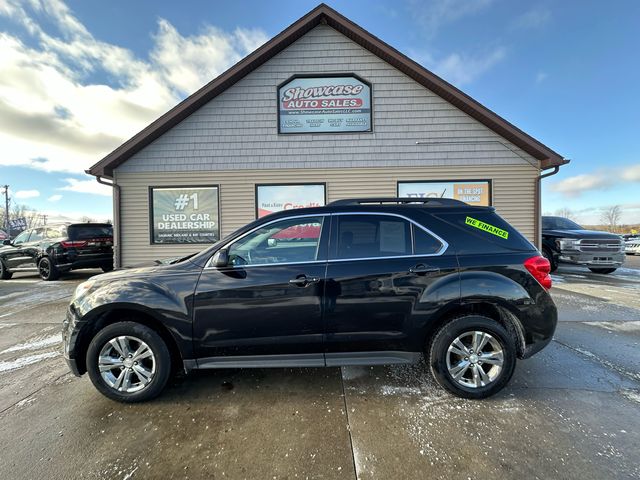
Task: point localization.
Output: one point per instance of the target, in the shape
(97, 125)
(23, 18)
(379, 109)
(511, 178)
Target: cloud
(462, 69)
(632, 173)
(54, 198)
(532, 19)
(23, 194)
(435, 14)
(86, 186)
(67, 98)
(541, 77)
(579, 184)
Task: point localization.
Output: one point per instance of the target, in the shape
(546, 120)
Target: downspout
(116, 219)
(538, 195)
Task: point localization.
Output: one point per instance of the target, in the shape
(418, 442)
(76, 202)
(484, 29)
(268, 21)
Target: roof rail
(398, 200)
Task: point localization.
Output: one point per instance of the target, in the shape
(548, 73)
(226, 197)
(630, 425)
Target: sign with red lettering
(324, 104)
(275, 198)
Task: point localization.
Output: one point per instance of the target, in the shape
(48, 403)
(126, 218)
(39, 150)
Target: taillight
(74, 244)
(540, 268)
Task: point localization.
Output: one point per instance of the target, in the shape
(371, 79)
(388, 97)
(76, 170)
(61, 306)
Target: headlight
(568, 244)
(83, 288)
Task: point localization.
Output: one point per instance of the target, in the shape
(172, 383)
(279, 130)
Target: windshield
(89, 231)
(559, 223)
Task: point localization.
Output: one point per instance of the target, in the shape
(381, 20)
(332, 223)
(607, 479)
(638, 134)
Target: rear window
(86, 232)
(487, 226)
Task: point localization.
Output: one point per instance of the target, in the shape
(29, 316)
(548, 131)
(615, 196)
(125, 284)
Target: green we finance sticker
(474, 222)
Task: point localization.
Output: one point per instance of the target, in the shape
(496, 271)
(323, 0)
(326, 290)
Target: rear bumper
(592, 259)
(73, 262)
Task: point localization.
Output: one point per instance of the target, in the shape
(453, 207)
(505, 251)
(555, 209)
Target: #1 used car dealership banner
(473, 193)
(185, 215)
(324, 104)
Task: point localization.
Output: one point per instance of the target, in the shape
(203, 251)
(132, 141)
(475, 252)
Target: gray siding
(238, 129)
(513, 196)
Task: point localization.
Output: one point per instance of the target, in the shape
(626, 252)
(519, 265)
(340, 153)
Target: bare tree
(566, 213)
(611, 217)
(32, 217)
(87, 219)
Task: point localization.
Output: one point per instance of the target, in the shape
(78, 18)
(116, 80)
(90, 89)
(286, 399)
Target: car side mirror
(221, 258)
(6, 242)
(272, 242)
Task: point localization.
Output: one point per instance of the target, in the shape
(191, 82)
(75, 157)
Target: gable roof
(324, 14)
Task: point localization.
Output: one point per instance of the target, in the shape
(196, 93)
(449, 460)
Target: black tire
(438, 351)
(4, 273)
(107, 268)
(155, 343)
(603, 271)
(546, 253)
(47, 270)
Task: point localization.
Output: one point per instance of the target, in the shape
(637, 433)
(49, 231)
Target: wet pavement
(572, 411)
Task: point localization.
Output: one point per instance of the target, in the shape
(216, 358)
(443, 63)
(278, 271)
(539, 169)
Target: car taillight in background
(73, 244)
(540, 268)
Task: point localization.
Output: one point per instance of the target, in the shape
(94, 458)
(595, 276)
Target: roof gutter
(538, 196)
(116, 219)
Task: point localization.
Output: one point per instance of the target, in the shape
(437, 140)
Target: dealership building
(323, 111)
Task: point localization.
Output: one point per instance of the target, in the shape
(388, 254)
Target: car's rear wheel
(107, 267)
(603, 270)
(546, 253)
(472, 356)
(47, 269)
(4, 273)
(128, 362)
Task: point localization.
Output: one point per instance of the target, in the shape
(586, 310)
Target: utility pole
(6, 209)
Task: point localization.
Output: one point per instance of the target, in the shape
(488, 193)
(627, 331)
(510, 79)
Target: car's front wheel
(47, 269)
(128, 362)
(4, 273)
(604, 271)
(472, 356)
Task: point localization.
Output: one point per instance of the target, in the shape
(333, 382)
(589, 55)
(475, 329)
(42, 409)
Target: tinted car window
(370, 236)
(86, 232)
(22, 238)
(423, 243)
(287, 241)
(559, 223)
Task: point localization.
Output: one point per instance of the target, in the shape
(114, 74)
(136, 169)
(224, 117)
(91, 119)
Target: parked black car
(358, 282)
(54, 249)
(564, 241)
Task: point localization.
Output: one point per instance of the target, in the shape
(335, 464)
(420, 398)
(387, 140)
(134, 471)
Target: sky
(78, 78)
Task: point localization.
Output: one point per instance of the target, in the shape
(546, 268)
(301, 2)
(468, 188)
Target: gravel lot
(572, 411)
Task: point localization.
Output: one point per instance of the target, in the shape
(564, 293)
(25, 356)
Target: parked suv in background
(54, 249)
(564, 241)
(357, 282)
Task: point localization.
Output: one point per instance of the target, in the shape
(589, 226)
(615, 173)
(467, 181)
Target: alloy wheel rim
(127, 364)
(475, 359)
(44, 268)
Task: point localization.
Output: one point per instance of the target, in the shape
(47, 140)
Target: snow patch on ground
(24, 361)
(633, 395)
(633, 326)
(27, 401)
(35, 344)
(6, 325)
(351, 373)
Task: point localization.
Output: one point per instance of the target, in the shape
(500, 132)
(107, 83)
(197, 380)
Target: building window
(275, 198)
(473, 192)
(184, 215)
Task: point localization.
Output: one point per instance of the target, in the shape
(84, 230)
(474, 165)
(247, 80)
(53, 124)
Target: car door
(265, 307)
(386, 276)
(17, 256)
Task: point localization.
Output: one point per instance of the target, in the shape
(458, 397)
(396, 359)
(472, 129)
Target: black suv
(54, 249)
(564, 241)
(357, 282)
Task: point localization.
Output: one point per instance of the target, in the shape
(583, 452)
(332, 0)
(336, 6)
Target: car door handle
(421, 269)
(303, 280)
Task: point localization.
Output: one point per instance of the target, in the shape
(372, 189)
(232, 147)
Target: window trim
(443, 248)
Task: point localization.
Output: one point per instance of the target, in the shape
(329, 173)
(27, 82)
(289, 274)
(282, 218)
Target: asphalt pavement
(572, 411)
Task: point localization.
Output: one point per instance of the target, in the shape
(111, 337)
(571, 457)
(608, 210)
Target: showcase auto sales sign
(324, 104)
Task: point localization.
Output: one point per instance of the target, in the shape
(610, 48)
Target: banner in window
(476, 192)
(275, 198)
(324, 104)
(184, 215)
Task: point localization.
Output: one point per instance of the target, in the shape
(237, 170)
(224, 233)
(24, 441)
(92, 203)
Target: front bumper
(592, 259)
(70, 330)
